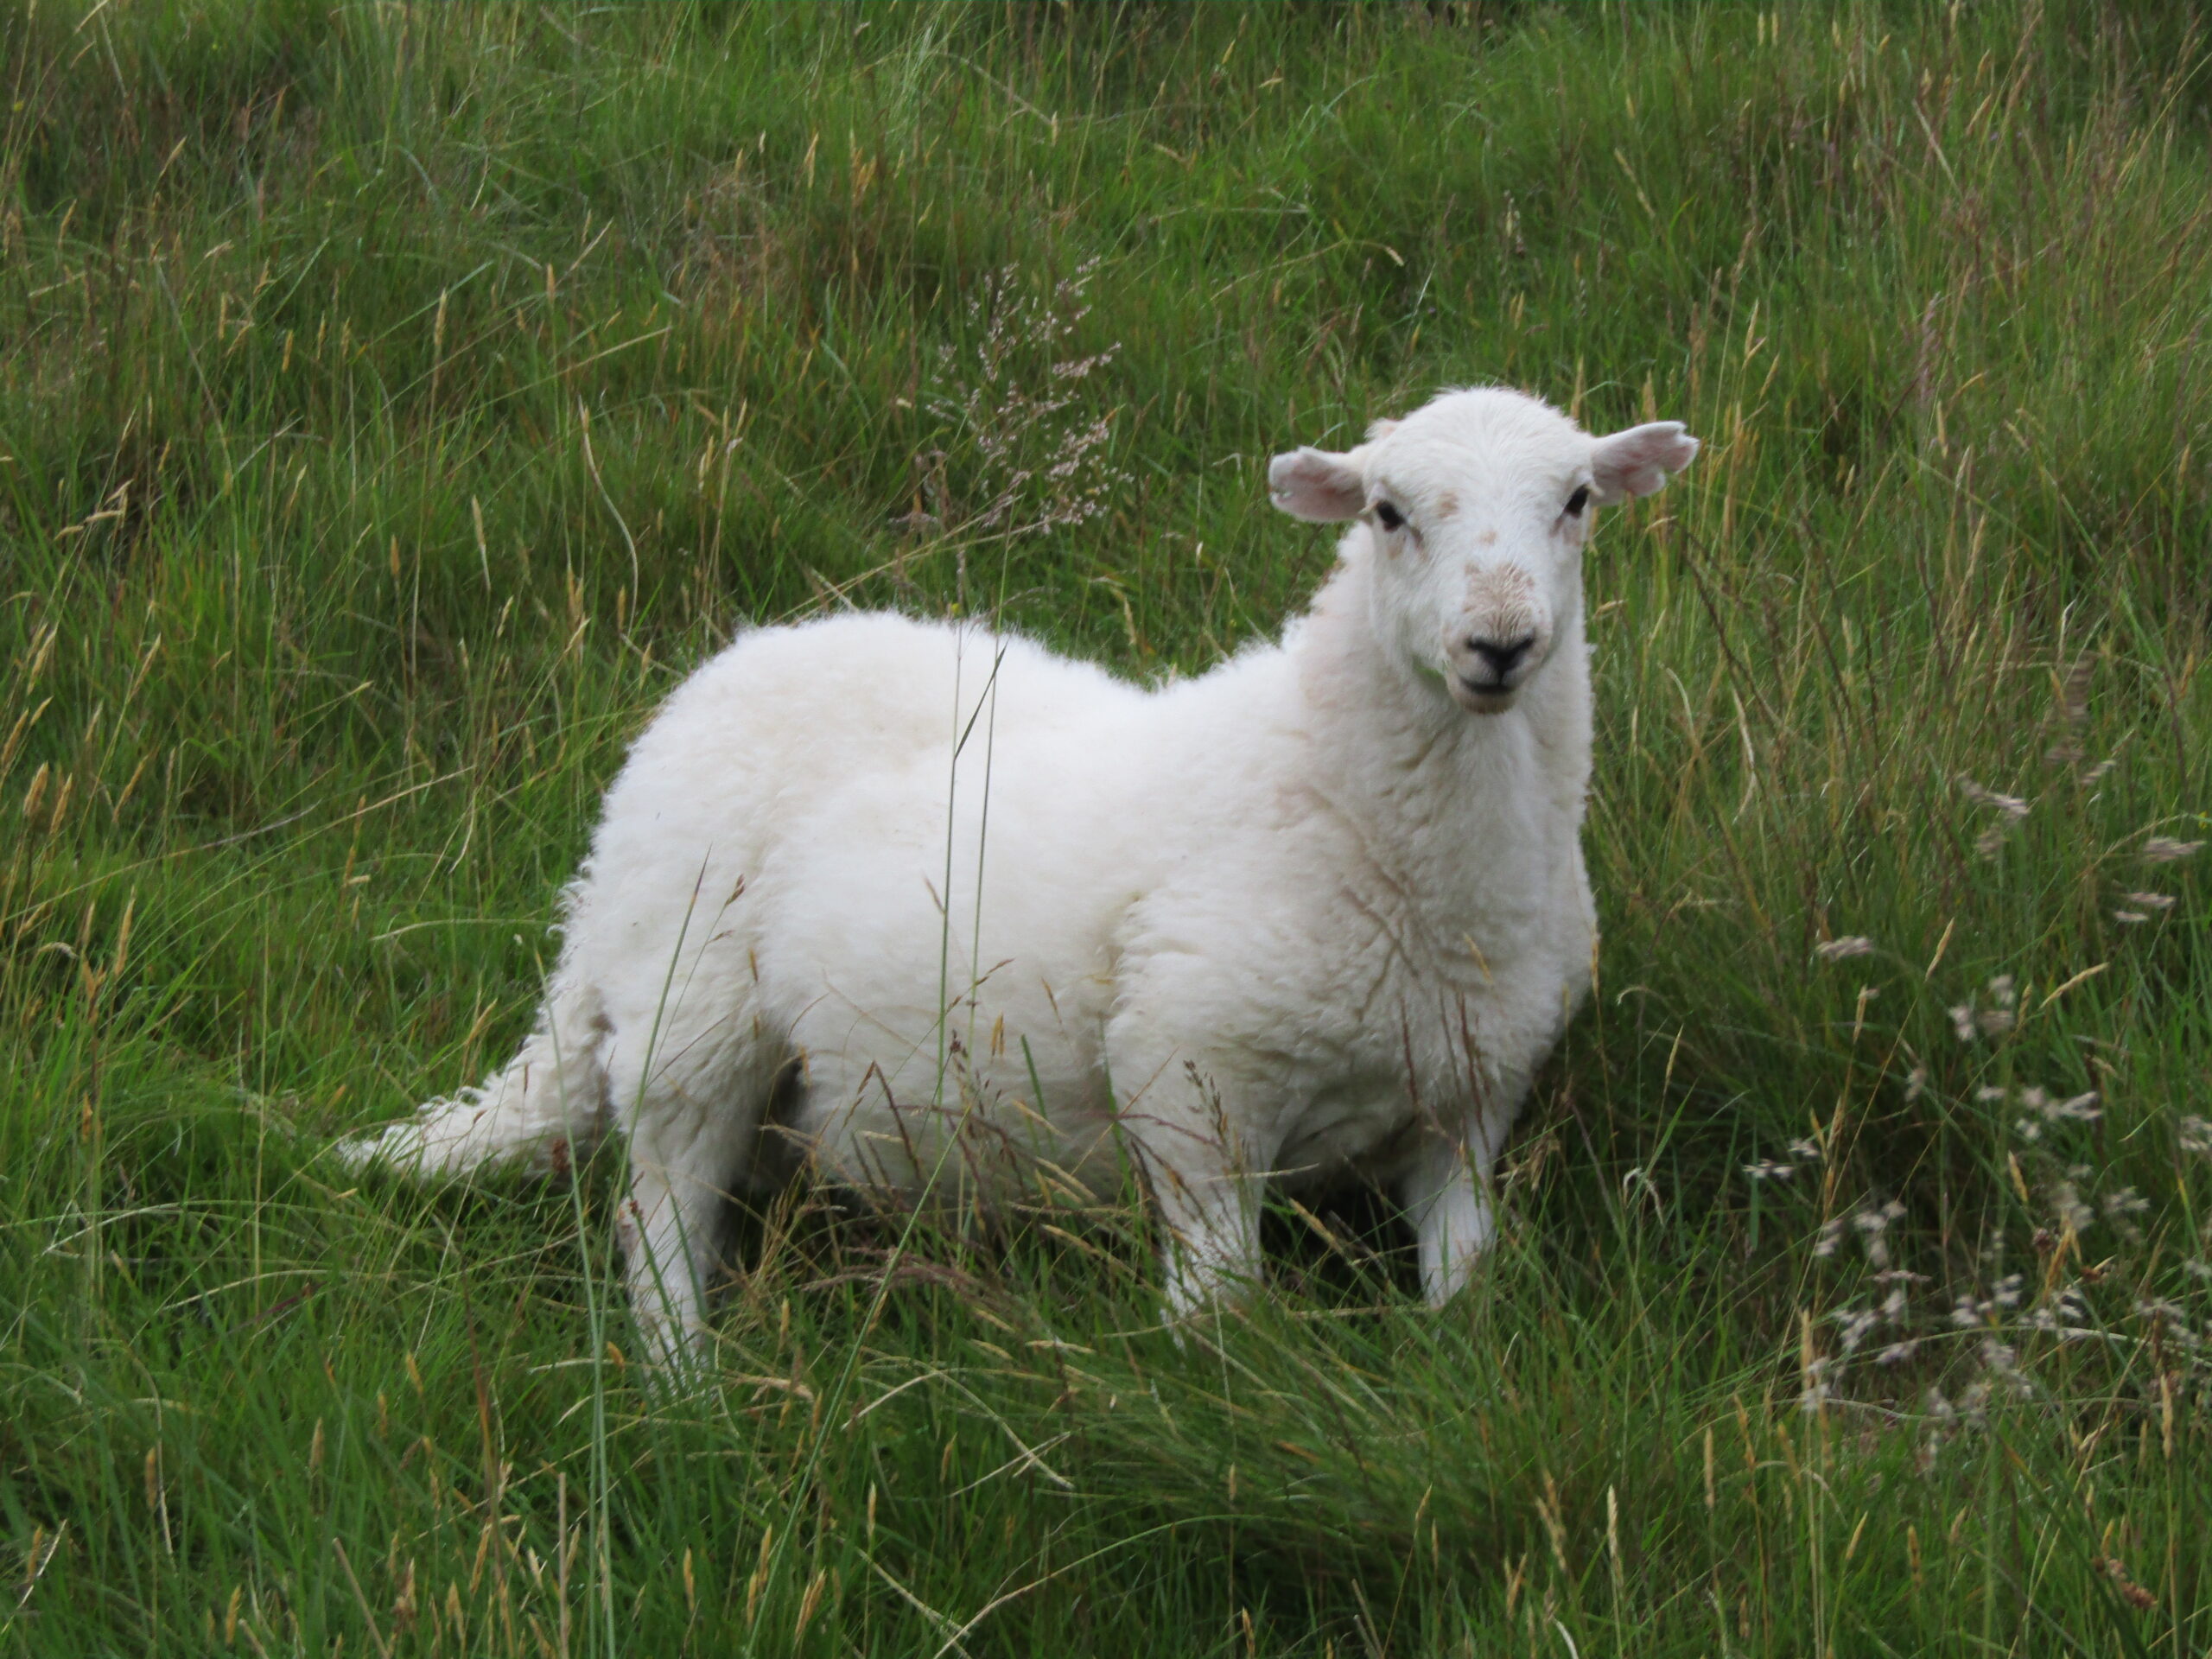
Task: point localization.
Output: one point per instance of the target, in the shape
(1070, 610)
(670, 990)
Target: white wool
(892, 902)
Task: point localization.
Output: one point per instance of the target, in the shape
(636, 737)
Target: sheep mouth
(1493, 699)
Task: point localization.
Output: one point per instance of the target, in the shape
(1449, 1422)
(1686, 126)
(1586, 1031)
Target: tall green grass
(395, 400)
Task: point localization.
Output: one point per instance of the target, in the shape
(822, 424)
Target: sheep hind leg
(691, 1132)
(1447, 1196)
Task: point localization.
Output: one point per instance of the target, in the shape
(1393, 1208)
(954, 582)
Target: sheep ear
(1637, 462)
(1318, 486)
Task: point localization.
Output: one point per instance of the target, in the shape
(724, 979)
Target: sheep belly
(1343, 1132)
(868, 929)
(895, 1101)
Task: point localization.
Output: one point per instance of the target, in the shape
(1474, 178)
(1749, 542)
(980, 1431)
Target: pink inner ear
(1638, 461)
(1316, 486)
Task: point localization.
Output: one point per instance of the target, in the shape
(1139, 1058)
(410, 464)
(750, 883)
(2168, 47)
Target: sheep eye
(1578, 500)
(1387, 516)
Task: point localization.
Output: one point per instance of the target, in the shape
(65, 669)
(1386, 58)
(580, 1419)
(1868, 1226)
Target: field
(396, 400)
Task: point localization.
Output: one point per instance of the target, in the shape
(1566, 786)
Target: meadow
(397, 399)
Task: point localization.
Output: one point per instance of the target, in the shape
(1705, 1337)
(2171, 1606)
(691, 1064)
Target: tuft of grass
(395, 402)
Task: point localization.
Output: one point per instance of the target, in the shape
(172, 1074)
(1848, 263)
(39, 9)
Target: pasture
(396, 400)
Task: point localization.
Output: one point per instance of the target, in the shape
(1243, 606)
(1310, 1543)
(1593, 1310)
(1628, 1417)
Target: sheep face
(1472, 515)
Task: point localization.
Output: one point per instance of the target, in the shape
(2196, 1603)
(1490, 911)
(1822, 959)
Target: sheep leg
(1447, 1195)
(1205, 1184)
(1186, 1125)
(689, 1140)
(1211, 1219)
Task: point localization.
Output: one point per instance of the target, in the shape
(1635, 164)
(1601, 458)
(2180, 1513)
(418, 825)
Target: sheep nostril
(1502, 658)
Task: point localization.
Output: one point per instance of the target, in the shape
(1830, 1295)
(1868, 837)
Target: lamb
(930, 912)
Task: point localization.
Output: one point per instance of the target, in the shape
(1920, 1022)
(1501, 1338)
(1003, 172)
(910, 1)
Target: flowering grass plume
(1028, 456)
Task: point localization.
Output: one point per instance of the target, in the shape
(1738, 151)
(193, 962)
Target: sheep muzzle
(1494, 646)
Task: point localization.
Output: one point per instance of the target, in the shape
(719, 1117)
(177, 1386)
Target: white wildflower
(2165, 849)
(2071, 1211)
(1816, 1389)
(2076, 1108)
(1856, 1324)
(2011, 807)
(1857, 944)
(1897, 1353)
(1873, 1224)
(2003, 1362)
(1993, 1020)
(2196, 1136)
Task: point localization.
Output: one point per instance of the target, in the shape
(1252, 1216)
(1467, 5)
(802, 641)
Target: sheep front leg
(1204, 1176)
(1447, 1195)
(1211, 1218)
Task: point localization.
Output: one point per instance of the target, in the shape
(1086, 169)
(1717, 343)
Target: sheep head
(1472, 512)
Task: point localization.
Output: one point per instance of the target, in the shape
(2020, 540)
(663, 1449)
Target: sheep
(930, 911)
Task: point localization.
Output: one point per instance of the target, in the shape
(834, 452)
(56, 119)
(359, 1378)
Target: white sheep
(934, 913)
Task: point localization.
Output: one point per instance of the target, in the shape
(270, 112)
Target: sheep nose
(1502, 658)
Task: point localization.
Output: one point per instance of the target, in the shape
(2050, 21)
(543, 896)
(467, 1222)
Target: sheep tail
(543, 1111)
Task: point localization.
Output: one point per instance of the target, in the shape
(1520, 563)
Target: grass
(395, 401)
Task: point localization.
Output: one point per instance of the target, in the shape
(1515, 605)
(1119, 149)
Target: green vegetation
(395, 401)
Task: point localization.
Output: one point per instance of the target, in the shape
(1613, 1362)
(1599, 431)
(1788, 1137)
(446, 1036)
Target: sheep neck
(1451, 806)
